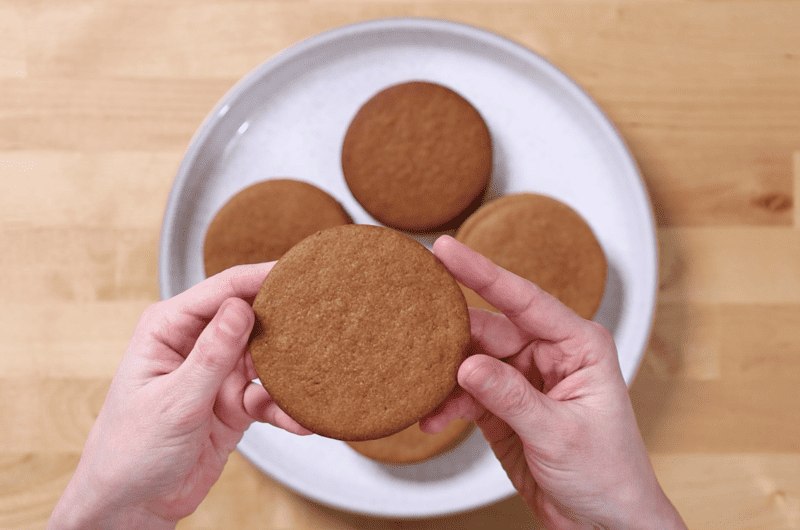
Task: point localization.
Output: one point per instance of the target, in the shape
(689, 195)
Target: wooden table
(99, 99)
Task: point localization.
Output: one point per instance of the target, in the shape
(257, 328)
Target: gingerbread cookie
(543, 240)
(416, 155)
(412, 445)
(264, 220)
(359, 332)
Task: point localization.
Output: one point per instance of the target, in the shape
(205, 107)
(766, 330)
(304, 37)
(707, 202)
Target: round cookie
(264, 220)
(412, 445)
(543, 240)
(416, 155)
(359, 332)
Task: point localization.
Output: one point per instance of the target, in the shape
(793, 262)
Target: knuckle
(271, 414)
(516, 399)
(227, 277)
(596, 341)
(232, 279)
(207, 356)
(154, 319)
(151, 312)
(600, 333)
(525, 303)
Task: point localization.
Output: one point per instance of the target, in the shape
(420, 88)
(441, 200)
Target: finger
(178, 321)
(249, 367)
(204, 299)
(217, 350)
(525, 304)
(229, 406)
(495, 334)
(224, 438)
(495, 431)
(506, 393)
(178, 333)
(259, 406)
(246, 368)
(458, 405)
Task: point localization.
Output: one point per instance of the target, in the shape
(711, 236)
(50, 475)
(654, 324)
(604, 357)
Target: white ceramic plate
(288, 118)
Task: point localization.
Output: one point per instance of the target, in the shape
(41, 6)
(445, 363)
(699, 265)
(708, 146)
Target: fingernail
(234, 321)
(479, 379)
(467, 379)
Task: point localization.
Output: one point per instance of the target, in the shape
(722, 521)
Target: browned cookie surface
(543, 240)
(360, 332)
(416, 155)
(264, 220)
(412, 445)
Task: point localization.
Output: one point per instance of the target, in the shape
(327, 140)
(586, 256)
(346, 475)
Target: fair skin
(179, 403)
(555, 409)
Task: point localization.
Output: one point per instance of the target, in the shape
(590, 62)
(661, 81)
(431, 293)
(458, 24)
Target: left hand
(179, 403)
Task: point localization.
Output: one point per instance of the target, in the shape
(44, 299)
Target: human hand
(557, 412)
(179, 403)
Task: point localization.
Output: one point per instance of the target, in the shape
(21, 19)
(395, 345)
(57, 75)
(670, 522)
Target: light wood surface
(99, 99)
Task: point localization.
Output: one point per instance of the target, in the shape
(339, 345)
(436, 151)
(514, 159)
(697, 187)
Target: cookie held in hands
(359, 332)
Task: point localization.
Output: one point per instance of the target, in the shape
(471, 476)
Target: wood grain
(72, 113)
(13, 60)
(79, 264)
(676, 100)
(736, 264)
(66, 339)
(108, 189)
(796, 184)
(49, 414)
(31, 484)
(99, 100)
(759, 491)
(283, 509)
(731, 341)
(716, 416)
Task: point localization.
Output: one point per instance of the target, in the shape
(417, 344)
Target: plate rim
(440, 27)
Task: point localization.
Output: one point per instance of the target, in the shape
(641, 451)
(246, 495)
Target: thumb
(506, 393)
(218, 348)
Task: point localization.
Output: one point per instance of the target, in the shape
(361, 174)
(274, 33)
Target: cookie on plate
(412, 445)
(359, 332)
(543, 240)
(416, 155)
(264, 220)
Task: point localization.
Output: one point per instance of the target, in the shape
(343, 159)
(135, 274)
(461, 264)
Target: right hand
(556, 411)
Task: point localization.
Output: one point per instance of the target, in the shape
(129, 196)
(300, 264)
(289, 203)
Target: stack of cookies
(360, 330)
